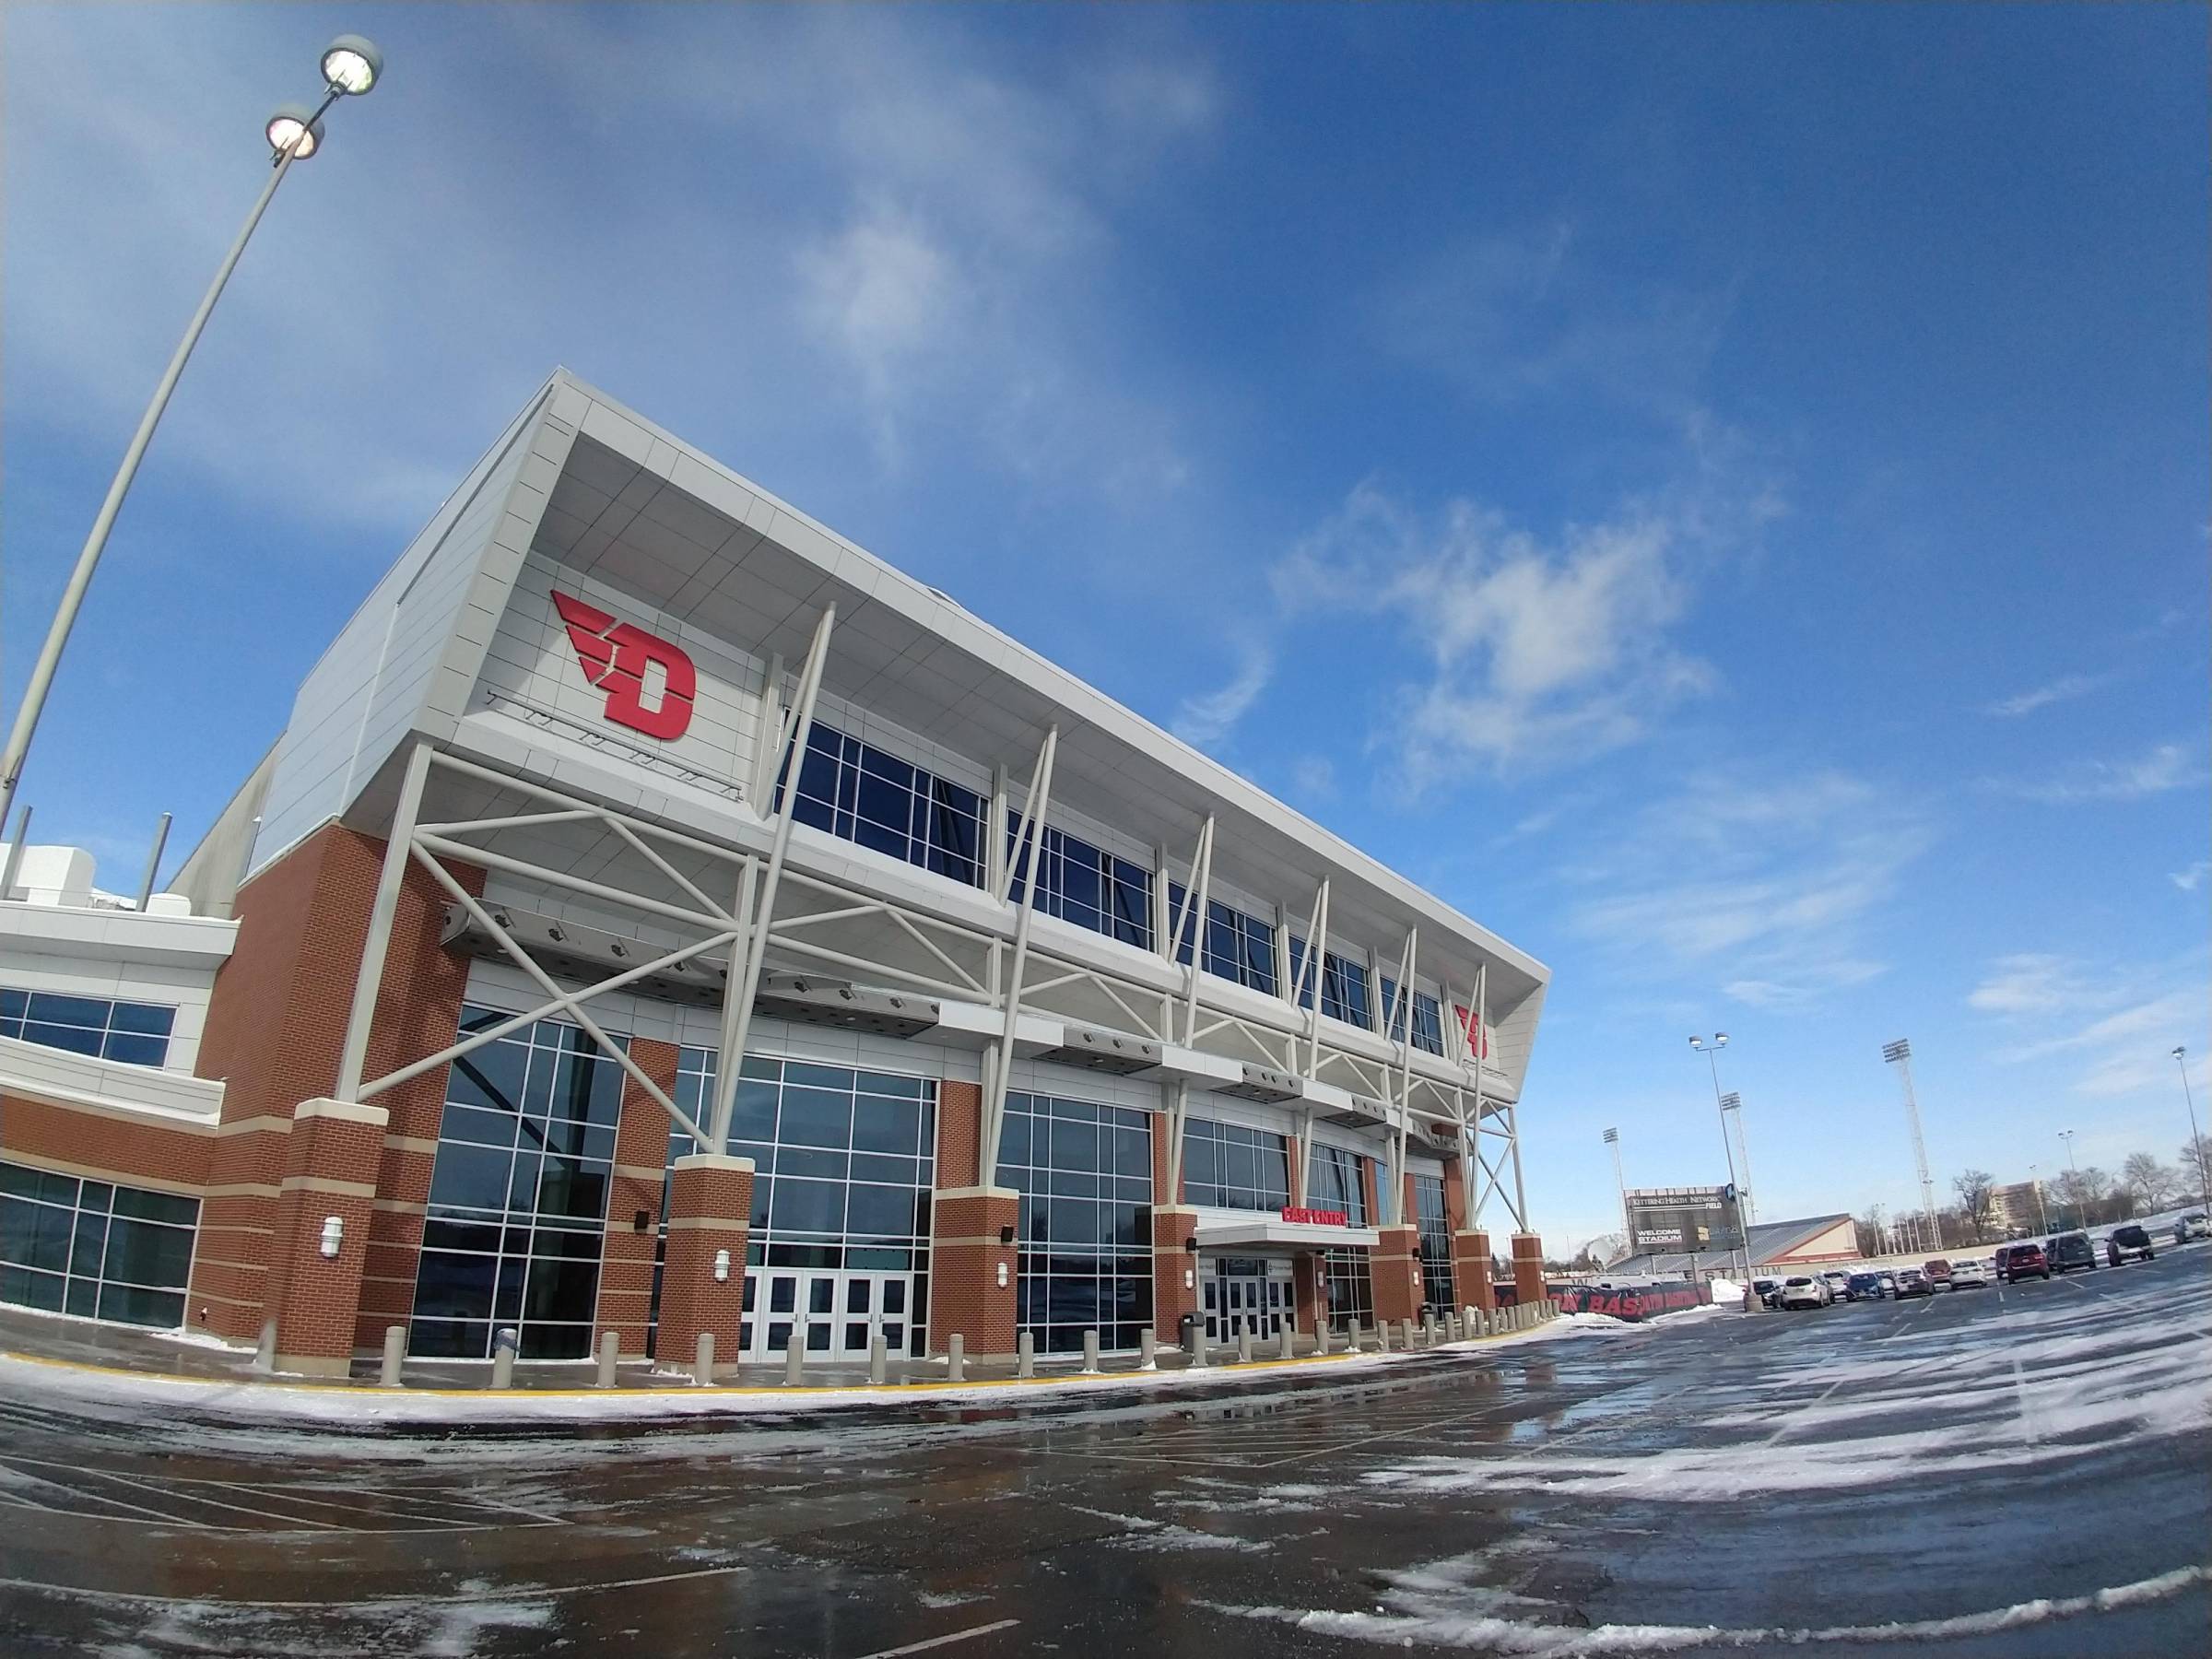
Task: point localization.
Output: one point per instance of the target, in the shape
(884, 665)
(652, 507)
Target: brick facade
(1528, 1268)
(1471, 1286)
(968, 1256)
(1173, 1226)
(710, 1207)
(168, 1154)
(330, 1173)
(1395, 1269)
(640, 1158)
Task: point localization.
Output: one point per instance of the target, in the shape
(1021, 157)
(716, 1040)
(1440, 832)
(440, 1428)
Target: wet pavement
(2025, 1470)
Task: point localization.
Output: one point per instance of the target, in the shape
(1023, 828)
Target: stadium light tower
(1620, 1181)
(1699, 1045)
(1899, 1054)
(2196, 1142)
(350, 67)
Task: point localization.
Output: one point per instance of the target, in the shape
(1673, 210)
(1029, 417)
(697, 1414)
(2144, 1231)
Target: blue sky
(1718, 494)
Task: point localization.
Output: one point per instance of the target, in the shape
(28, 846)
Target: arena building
(1050, 1023)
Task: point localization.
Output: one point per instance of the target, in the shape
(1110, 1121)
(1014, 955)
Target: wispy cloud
(1313, 777)
(2165, 768)
(2063, 689)
(2118, 1021)
(1791, 877)
(2190, 880)
(1205, 720)
(2021, 984)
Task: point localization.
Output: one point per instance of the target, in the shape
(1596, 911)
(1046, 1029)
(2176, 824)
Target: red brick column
(1528, 1268)
(1395, 1268)
(1174, 1270)
(1296, 1183)
(710, 1211)
(641, 1160)
(1471, 1284)
(330, 1171)
(1455, 1196)
(968, 1259)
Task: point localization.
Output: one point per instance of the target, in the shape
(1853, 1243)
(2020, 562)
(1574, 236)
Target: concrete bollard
(956, 1358)
(1286, 1345)
(1197, 1358)
(264, 1351)
(795, 1360)
(1406, 1335)
(703, 1360)
(1321, 1336)
(1381, 1335)
(504, 1341)
(1090, 1353)
(1244, 1346)
(610, 1351)
(1025, 1354)
(1451, 1327)
(1144, 1358)
(395, 1347)
(879, 1369)
(1470, 1319)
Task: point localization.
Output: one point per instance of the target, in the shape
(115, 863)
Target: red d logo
(616, 656)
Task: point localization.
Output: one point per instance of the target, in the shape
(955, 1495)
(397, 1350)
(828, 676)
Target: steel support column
(1000, 1067)
(370, 980)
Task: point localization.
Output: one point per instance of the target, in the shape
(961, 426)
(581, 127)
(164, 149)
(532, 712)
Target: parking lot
(2016, 1471)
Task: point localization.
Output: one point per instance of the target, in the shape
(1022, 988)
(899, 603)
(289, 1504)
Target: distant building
(1774, 1245)
(2018, 1207)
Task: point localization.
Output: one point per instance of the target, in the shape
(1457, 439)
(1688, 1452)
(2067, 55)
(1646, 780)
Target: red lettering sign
(615, 655)
(1478, 1043)
(1312, 1218)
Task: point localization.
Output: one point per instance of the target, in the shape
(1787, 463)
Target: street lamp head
(2178, 1051)
(1720, 1039)
(1698, 1043)
(351, 64)
(290, 126)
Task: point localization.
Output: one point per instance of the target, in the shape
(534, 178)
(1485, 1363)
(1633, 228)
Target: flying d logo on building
(616, 657)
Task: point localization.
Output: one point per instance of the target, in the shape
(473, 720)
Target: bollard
(1381, 1335)
(795, 1360)
(878, 1367)
(703, 1360)
(1406, 1335)
(1470, 1319)
(1198, 1360)
(1451, 1327)
(611, 1350)
(1287, 1344)
(264, 1352)
(1428, 1331)
(1321, 1335)
(1090, 1353)
(1025, 1354)
(956, 1358)
(1244, 1346)
(396, 1346)
(504, 1341)
(1144, 1360)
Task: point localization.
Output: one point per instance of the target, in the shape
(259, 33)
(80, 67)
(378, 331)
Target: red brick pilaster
(1455, 1197)
(959, 1134)
(1395, 1269)
(640, 1158)
(1528, 1268)
(330, 1173)
(1174, 1270)
(710, 1211)
(1471, 1271)
(968, 1255)
(1297, 1182)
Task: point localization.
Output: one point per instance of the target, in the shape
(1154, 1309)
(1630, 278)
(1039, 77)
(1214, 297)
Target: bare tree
(1974, 1188)
(1868, 1229)
(2196, 1159)
(2079, 1195)
(2152, 1183)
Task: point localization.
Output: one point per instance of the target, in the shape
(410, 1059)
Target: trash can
(1186, 1333)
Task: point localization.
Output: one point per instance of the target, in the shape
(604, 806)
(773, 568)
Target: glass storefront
(1338, 1183)
(518, 1195)
(90, 1247)
(1084, 1175)
(1227, 1165)
(1436, 1240)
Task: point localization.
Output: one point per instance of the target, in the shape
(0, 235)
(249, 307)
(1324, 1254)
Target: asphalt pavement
(2020, 1471)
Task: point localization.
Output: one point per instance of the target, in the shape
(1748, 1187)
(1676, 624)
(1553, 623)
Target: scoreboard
(1693, 1220)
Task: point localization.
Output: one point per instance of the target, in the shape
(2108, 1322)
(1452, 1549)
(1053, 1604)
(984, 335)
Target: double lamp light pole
(1726, 1104)
(351, 67)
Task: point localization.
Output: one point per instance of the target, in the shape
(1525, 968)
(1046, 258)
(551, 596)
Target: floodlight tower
(1899, 1054)
(1620, 1181)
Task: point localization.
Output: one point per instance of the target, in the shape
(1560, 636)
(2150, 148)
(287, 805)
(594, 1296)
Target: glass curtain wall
(858, 793)
(1344, 989)
(1084, 884)
(1227, 1165)
(1338, 1183)
(517, 1214)
(90, 1247)
(134, 1033)
(1239, 946)
(1084, 1175)
(1436, 1240)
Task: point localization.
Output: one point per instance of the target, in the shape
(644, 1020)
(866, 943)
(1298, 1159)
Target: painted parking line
(946, 1640)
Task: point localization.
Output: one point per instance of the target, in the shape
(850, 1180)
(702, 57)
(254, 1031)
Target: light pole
(1620, 1181)
(2196, 1142)
(2079, 1208)
(1720, 1041)
(350, 67)
(2041, 1213)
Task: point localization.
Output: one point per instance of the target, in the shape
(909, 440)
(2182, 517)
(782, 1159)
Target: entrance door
(833, 1315)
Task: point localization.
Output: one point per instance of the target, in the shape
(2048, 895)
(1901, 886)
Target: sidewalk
(94, 1364)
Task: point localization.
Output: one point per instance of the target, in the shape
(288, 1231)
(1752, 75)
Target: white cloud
(2165, 768)
(2021, 984)
(2063, 689)
(2190, 880)
(1314, 777)
(1790, 881)
(2118, 1022)
(1203, 722)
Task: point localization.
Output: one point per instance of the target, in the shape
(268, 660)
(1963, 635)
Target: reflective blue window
(858, 793)
(1338, 1183)
(1240, 947)
(90, 1247)
(1436, 1240)
(1428, 1018)
(1084, 884)
(1227, 1165)
(1084, 1175)
(1343, 985)
(134, 1033)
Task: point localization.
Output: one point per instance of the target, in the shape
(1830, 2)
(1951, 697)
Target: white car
(2192, 1226)
(1803, 1292)
(1970, 1273)
(1839, 1285)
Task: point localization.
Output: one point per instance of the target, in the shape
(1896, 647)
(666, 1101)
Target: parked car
(1804, 1291)
(2068, 1250)
(1912, 1281)
(1888, 1282)
(2128, 1243)
(1938, 1272)
(2193, 1225)
(1768, 1290)
(1969, 1276)
(1868, 1287)
(1839, 1287)
(2015, 1262)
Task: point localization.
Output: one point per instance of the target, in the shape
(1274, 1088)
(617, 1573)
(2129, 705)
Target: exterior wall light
(1002, 1275)
(722, 1267)
(334, 1234)
(1005, 1235)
